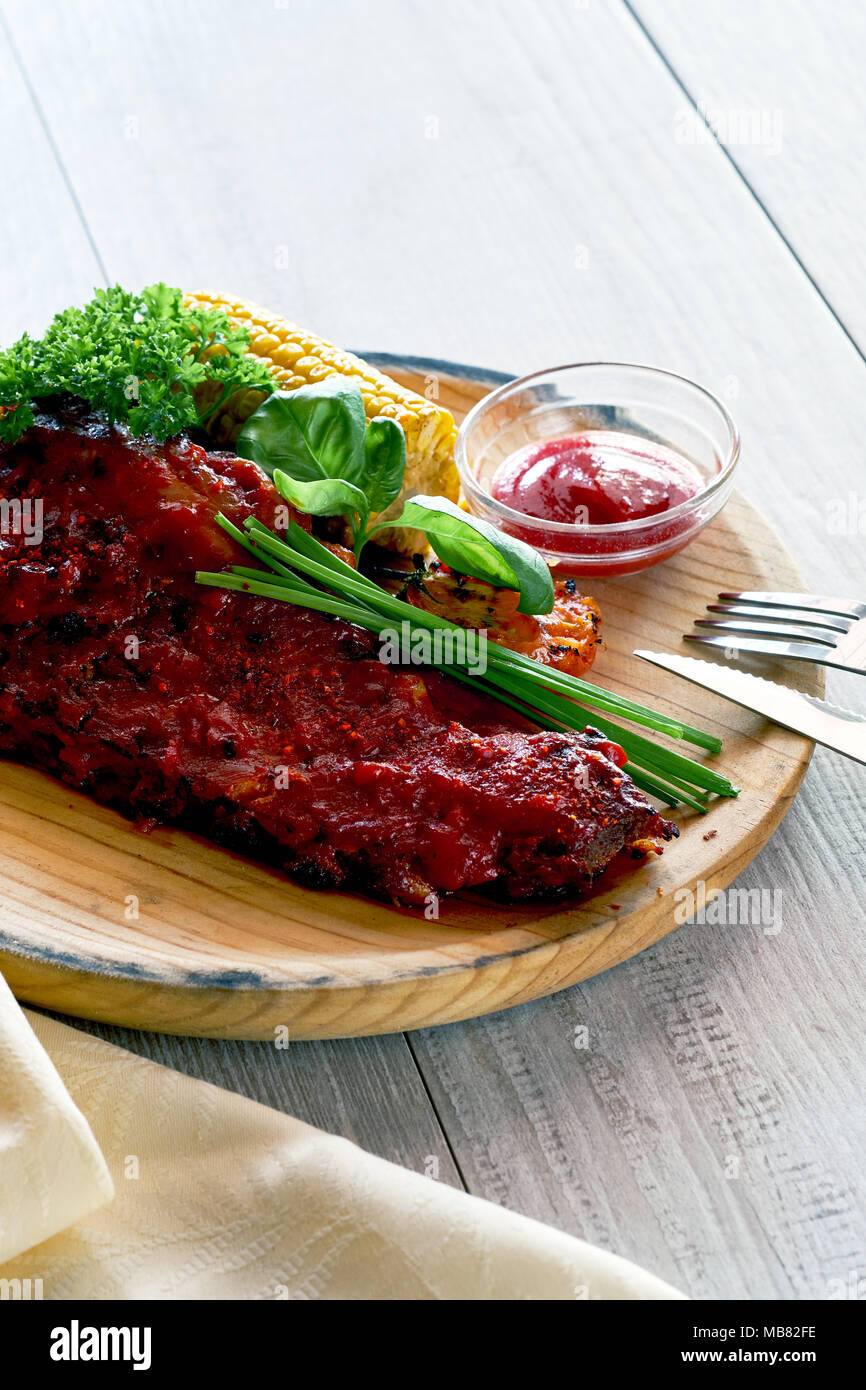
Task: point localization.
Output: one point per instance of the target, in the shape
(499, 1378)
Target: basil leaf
(476, 548)
(315, 432)
(385, 462)
(322, 496)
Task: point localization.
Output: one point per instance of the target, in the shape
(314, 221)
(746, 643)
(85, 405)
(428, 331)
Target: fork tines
(830, 631)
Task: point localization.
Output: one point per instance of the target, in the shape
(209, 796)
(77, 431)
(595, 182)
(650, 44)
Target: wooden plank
(46, 257)
(553, 216)
(710, 1124)
(782, 85)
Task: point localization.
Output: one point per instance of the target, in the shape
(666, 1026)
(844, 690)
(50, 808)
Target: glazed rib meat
(271, 729)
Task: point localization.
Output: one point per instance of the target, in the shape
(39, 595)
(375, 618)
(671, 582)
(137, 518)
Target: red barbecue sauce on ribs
(271, 729)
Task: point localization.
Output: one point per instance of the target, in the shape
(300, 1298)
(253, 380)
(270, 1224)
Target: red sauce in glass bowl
(636, 460)
(597, 478)
(598, 482)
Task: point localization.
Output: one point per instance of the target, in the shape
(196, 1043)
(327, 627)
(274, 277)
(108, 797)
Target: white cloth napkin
(219, 1197)
(51, 1170)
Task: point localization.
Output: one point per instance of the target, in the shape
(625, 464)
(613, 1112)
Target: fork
(829, 631)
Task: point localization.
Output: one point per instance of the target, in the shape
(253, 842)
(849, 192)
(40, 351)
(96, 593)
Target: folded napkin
(51, 1170)
(219, 1197)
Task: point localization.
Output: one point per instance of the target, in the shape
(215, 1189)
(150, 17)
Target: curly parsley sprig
(141, 359)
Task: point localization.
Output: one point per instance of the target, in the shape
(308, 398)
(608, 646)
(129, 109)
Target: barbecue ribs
(271, 729)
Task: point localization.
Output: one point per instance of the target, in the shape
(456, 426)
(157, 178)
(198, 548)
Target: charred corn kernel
(296, 358)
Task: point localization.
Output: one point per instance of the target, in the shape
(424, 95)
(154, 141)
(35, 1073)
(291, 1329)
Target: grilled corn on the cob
(297, 358)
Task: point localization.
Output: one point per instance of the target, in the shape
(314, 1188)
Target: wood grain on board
(512, 191)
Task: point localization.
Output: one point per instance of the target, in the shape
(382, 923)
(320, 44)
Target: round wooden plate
(166, 932)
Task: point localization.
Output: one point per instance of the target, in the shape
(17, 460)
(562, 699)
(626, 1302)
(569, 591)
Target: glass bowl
(645, 401)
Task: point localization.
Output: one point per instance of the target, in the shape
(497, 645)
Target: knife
(839, 729)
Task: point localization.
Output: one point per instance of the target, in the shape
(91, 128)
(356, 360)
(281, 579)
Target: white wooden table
(516, 185)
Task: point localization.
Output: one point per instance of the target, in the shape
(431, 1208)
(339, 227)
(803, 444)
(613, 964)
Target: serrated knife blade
(839, 729)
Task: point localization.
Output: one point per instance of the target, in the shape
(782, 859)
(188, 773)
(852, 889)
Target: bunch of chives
(550, 698)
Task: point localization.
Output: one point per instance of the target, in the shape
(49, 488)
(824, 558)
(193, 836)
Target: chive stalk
(299, 564)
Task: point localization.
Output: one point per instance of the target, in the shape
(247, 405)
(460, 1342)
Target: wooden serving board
(222, 947)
